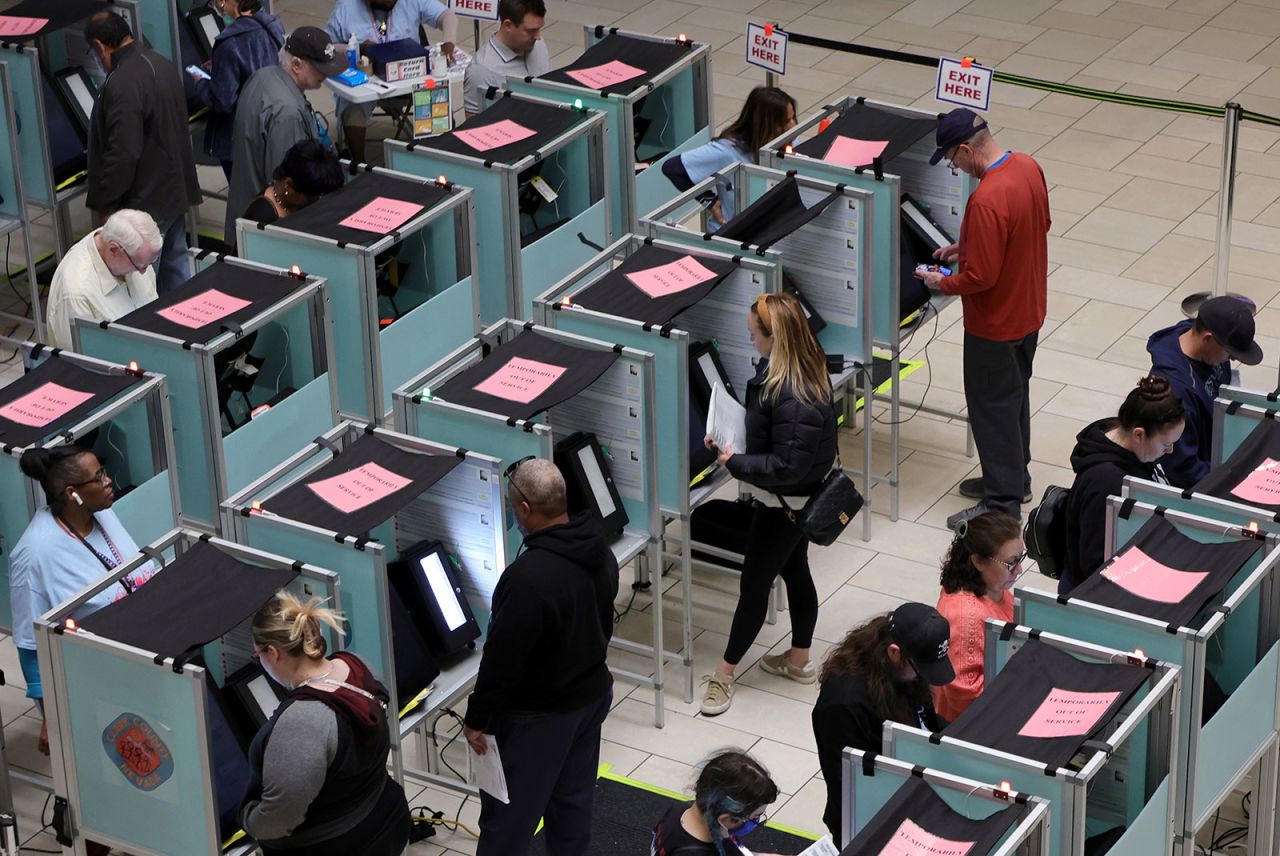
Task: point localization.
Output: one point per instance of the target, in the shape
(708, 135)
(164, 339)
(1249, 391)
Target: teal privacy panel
(1234, 513)
(653, 189)
(547, 261)
(8, 171)
(14, 517)
(24, 78)
(147, 510)
(157, 23)
(1236, 428)
(177, 817)
(425, 335)
(1151, 824)
(273, 435)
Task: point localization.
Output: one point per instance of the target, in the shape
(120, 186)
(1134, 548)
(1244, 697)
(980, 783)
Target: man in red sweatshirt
(1002, 280)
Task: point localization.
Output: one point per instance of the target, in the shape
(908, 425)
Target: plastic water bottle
(353, 52)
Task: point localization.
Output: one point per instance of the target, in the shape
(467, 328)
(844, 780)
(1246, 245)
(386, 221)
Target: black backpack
(1045, 534)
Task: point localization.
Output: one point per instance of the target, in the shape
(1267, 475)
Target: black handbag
(831, 508)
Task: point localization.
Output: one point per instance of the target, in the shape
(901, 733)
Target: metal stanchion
(1226, 203)
(475, 23)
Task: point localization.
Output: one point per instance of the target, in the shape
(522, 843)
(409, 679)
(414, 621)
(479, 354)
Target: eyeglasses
(131, 261)
(951, 159)
(1014, 562)
(100, 477)
(510, 473)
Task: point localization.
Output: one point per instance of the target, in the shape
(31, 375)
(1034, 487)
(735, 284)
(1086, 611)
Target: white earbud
(76, 497)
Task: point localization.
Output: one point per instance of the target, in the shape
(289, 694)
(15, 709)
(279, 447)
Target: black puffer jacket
(790, 445)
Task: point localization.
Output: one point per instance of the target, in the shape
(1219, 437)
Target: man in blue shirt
(375, 22)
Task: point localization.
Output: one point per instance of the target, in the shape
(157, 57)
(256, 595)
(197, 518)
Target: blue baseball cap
(954, 128)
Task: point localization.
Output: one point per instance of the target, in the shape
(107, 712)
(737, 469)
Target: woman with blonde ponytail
(320, 782)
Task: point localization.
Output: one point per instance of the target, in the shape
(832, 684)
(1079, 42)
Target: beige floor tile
(1171, 260)
(789, 767)
(1066, 45)
(850, 607)
(1092, 25)
(1058, 70)
(1142, 14)
(1123, 121)
(987, 50)
(1004, 11)
(1147, 44)
(1130, 350)
(1225, 44)
(1121, 229)
(1214, 90)
(977, 25)
(672, 775)
(1071, 200)
(1132, 72)
(1114, 289)
(1248, 18)
(1089, 256)
(1093, 329)
(909, 81)
(1253, 195)
(1060, 173)
(1163, 169)
(1172, 201)
(1088, 149)
(1083, 7)
(1073, 401)
(804, 810)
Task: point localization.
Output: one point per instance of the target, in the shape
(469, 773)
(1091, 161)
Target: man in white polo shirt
(517, 49)
(106, 275)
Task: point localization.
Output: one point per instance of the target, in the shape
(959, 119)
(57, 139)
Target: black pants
(997, 379)
(774, 546)
(550, 763)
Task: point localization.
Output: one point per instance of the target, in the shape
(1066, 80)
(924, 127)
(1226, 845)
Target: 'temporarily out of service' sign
(964, 82)
(767, 47)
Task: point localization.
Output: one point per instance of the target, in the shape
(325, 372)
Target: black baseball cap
(924, 637)
(1230, 320)
(954, 128)
(313, 45)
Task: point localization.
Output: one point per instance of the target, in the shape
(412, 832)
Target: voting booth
(890, 806)
(399, 254)
(1244, 441)
(120, 413)
(1087, 728)
(656, 93)
(13, 199)
(412, 529)
(248, 351)
(1201, 594)
(520, 390)
(538, 169)
(149, 740)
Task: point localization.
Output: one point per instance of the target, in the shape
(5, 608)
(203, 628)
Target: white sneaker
(719, 694)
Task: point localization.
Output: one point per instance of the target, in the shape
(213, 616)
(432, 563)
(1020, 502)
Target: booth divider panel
(8, 181)
(871, 793)
(424, 335)
(653, 189)
(721, 317)
(288, 334)
(1247, 396)
(548, 260)
(1225, 511)
(125, 445)
(1236, 428)
(102, 687)
(147, 510)
(568, 173)
(156, 16)
(1098, 629)
(14, 517)
(273, 435)
(1151, 824)
(24, 78)
(1235, 648)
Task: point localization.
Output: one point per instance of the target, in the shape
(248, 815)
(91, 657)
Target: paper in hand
(726, 420)
(824, 846)
(485, 771)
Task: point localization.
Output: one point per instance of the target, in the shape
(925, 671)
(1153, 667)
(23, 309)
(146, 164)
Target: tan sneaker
(719, 694)
(780, 664)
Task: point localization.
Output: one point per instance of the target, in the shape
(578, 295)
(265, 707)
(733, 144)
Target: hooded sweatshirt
(550, 627)
(1197, 384)
(1100, 465)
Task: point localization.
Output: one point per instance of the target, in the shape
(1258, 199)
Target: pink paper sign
(912, 840)
(520, 380)
(847, 151)
(1137, 573)
(205, 308)
(381, 215)
(44, 404)
(12, 25)
(1262, 486)
(609, 74)
(357, 488)
(1067, 714)
(492, 136)
(679, 275)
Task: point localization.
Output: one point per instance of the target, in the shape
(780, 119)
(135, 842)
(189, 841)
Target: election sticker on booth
(964, 82)
(1262, 486)
(1066, 713)
(382, 215)
(137, 751)
(485, 10)
(682, 274)
(767, 47)
(44, 404)
(520, 380)
(848, 151)
(495, 135)
(603, 76)
(1139, 574)
(205, 308)
(911, 839)
(354, 489)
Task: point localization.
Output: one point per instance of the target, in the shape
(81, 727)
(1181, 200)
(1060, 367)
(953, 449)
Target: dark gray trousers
(997, 379)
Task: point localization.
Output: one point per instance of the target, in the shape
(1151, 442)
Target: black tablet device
(705, 369)
(67, 137)
(816, 321)
(254, 696)
(205, 24)
(588, 481)
(77, 89)
(428, 581)
(415, 667)
(917, 220)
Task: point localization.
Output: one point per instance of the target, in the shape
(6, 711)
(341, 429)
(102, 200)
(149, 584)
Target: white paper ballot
(485, 771)
(726, 420)
(824, 846)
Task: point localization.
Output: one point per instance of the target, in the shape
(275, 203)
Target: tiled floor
(1134, 198)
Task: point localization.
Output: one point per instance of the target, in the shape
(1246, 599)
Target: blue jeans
(172, 268)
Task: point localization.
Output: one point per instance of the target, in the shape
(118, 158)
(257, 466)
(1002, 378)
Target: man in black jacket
(544, 686)
(139, 144)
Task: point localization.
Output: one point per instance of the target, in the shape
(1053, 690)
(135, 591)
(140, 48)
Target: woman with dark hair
(1149, 425)
(68, 545)
(978, 573)
(768, 112)
(729, 800)
(309, 170)
(881, 672)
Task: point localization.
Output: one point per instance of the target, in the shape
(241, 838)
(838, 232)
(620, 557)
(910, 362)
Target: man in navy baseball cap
(955, 128)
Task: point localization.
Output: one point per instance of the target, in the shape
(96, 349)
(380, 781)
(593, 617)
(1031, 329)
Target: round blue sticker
(137, 751)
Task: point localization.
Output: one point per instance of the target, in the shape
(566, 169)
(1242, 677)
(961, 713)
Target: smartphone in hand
(198, 72)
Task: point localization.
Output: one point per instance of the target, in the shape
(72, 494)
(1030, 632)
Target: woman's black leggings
(774, 546)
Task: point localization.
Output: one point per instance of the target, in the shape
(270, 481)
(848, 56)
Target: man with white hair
(106, 275)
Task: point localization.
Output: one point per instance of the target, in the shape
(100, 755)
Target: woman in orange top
(978, 573)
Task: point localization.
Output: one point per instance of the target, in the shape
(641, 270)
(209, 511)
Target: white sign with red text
(964, 82)
(767, 47)
(485, 10)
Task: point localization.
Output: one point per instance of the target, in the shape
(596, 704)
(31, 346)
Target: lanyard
(380, 27)
(106, 563)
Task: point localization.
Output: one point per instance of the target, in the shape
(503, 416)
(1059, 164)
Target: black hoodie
(550, 627)
(1100, 465)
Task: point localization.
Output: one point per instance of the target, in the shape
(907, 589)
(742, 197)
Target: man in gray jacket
(139, 144)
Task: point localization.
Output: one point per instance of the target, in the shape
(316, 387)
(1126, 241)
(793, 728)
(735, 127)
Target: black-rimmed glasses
(100, 477)
(510, 473)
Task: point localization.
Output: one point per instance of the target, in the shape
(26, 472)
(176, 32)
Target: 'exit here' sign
(767, 47)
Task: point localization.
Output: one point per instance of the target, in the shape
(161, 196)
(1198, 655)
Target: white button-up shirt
(83, 287)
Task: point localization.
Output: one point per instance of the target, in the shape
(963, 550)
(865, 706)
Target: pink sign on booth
(912, 840)
(847, 151)
(354, 489)
(609, 74)
(382, 215)
(1066, 713)
(1139, 574)
(16, 27)
(44, 404)
(682, 274)
(1262, 486)
(494, 135)
(520, 380)
(205, 308)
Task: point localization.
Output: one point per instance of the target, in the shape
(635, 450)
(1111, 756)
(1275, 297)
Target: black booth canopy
(917, 820)
(323, 218)
(776, 214)
(654, 285)
(52, 395)
(863, 121)
(199, 596)
(651, 57)
(1251, 475)
(222, 295)
(1045, 704)
(60, 13)
(362, 486)
(545, 120)
(1164, 575)
(525, 376)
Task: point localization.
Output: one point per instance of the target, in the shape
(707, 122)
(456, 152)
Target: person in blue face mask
(730, 797)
